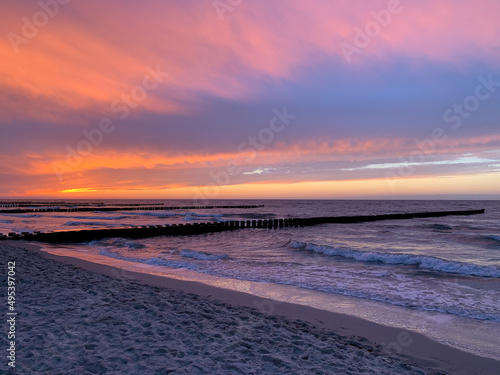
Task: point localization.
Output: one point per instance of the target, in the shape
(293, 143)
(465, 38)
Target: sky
(249, 99)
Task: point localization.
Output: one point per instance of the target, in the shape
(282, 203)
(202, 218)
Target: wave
(188, 253)
(155, 214)
(6, 221)
(90, 223)
(22, 215)
(469, 227)
(116, 242)
(91, 217)
(194, 216)
(345, 289)
(186, 215)
(424, 262)
(203, 215)
(439, 227)
(493, 237)
(123, 243)
(482, 240)
(151, 261)
(250, 215)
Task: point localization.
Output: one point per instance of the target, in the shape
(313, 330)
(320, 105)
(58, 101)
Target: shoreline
(388, 342)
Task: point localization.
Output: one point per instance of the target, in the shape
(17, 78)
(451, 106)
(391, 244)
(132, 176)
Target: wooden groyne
(72, 204)
(76, 236)
(116, 208)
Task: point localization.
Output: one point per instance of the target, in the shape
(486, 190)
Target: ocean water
(436, 276)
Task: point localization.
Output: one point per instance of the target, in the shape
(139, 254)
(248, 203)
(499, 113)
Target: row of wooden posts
(66, 204)
(121, 208)
(76, 236)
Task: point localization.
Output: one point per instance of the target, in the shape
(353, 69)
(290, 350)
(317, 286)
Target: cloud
(225, 78)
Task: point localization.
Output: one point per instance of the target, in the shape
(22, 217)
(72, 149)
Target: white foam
(425, 262)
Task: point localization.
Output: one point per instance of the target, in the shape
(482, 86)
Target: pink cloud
(92, 52)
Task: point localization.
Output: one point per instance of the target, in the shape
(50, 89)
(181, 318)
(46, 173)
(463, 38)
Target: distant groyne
(130, 207)
(70, 204)
(76, 236)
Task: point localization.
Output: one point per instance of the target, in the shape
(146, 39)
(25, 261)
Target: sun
(77, 190)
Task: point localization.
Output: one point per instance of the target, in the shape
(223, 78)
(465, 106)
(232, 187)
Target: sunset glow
(266, 99)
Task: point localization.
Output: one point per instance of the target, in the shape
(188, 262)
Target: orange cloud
(91, 53)
(114, 171)
(478, 184)
(312, 150)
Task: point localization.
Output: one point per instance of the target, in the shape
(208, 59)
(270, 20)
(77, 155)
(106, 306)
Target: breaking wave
(421, 261)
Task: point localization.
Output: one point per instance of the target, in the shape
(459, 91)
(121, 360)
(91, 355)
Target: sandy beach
(76, 317)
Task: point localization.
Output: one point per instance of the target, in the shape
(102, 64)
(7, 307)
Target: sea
(436, 276)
